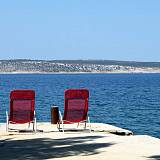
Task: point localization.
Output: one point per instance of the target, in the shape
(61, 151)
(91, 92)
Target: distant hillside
(100, 62)
(111, 62)
(24, 65)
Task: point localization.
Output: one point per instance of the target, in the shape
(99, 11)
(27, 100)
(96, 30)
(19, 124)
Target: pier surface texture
(104, 142)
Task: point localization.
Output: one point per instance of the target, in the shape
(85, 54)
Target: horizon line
(28, 59)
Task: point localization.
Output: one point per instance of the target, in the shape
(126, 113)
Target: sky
(80, 29)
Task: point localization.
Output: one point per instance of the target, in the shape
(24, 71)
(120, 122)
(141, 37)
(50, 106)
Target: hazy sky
(80, 29)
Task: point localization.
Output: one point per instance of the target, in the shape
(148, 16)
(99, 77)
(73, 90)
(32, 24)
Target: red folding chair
(22, 104)
(75, 107)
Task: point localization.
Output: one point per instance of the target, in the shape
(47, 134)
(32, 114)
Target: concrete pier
(49, 143)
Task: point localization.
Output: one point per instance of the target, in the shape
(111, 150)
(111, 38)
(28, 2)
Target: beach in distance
(128, 101)
(77, 66)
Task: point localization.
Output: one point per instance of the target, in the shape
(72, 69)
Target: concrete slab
(51, 144)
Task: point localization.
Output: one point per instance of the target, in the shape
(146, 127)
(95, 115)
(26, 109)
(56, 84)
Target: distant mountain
(49, 66)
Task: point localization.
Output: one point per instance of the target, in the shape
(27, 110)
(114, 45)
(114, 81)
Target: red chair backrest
(22, 104)
(76, 105)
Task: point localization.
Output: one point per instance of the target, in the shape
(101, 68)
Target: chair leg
(89, 124)
(7, 122)
(59, 125)
(29, 125)
(85, 124)
(61, 121)
(35, 125)
(62, 126)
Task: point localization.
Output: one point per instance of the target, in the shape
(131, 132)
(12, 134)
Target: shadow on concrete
(154, 157)
(45, 148)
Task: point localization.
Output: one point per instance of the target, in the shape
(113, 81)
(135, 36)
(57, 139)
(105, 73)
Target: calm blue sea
(129, 101)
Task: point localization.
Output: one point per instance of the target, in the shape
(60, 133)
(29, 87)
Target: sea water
(130, 101)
